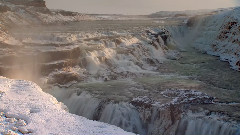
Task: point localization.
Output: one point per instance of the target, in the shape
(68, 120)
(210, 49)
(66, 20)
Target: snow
(25, 108)
(187, 96)
(218, 35)
(176, 96)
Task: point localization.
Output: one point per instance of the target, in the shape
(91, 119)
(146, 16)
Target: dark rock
(230, 25)
(67, 13)
(193, 20)
(180, 15)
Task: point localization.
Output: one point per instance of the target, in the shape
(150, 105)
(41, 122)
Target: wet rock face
(161, 37)
(191, 21)
(35, 3)
(164, 118)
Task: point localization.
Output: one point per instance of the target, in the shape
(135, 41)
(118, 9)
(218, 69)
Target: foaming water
(148, 120)
(122, 115)
(205, 126)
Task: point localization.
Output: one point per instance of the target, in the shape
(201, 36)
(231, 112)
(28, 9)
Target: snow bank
(25, 108)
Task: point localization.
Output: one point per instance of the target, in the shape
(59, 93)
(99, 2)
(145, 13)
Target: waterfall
(123, 115)
(206, 126)
(149, 120)
(83, 105)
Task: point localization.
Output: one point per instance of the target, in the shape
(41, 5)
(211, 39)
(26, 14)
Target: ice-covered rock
(219, 35)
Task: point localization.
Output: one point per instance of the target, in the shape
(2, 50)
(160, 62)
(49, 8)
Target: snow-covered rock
(219, 35)
(25, 108)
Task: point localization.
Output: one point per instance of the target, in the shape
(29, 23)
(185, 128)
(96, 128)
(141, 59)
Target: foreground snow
(25, 108)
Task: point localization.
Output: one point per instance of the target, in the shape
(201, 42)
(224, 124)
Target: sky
(137, 7)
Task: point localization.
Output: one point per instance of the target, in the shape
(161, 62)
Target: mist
(137, 7)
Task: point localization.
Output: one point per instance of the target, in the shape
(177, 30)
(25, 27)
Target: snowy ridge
(25, 108)
(219, 35)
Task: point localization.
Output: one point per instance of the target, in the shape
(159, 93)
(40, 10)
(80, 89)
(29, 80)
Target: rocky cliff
(218, 35)
(15, 13)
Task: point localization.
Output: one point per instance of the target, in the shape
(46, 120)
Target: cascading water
(146, 117)
(206, 126)
(123, 115)
(79, 57)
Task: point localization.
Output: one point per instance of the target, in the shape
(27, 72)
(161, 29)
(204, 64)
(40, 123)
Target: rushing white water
(83, 105)
(74, 55)
(122, 115)
(147, 119)
(206, 126)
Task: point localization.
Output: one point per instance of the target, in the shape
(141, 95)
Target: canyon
(149, 75)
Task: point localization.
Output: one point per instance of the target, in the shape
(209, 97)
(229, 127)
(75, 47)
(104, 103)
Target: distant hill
(35, 3)
(185, 13)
